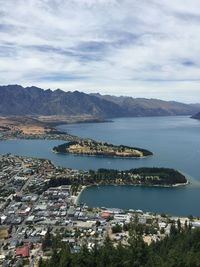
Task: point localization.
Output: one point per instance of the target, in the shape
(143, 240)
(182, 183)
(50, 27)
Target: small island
(94, 148)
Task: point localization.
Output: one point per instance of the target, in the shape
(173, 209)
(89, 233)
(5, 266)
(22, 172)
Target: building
(22, 251)
(105, 215)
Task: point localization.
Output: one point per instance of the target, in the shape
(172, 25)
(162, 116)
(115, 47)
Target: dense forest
(144, 176)
(180, 249)
(140, 176)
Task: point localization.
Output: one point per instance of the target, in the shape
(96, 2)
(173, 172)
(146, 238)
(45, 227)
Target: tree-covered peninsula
(141, 176)
(94, 148)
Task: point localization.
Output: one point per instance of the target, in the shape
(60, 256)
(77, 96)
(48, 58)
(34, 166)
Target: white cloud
(139, 48)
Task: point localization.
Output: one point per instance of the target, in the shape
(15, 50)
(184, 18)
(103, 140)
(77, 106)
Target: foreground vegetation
(180, 249)
(94, 148)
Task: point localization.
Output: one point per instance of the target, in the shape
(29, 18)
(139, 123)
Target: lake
(174, 141)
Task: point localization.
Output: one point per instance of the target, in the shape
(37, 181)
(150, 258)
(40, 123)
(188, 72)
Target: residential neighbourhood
(31, 209)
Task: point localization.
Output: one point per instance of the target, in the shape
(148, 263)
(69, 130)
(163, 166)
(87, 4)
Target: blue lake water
(174, 141)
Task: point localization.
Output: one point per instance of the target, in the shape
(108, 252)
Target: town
(40, 201)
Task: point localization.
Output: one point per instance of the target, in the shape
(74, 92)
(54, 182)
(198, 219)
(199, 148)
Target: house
(105, 215)
(22, 251)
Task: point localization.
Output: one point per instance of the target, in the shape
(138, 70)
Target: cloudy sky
(141, 48)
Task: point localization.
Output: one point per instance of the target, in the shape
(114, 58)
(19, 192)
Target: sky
(140, 48)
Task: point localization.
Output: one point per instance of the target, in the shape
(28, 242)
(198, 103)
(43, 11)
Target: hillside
(17, 100)
(150, 107)
(180, 249)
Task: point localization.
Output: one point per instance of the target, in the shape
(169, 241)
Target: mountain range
(17, 100)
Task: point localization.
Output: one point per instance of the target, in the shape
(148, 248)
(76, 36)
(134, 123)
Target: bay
(174, 141)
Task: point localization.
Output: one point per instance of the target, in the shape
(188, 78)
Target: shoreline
(184, 184)
(136, 185)
(83, 187)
